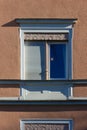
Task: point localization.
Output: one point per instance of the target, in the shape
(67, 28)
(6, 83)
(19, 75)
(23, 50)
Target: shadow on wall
(11, 24)
(42, 108)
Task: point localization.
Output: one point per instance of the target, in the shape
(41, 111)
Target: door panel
(57, 60)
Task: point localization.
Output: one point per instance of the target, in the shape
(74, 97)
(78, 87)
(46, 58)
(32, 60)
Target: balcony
(47, 91)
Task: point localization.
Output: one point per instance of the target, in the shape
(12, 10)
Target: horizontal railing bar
(73, 82)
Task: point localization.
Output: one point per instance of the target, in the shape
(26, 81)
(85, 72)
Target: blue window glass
(57, 60)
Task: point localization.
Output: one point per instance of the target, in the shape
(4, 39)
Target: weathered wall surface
(9, 33)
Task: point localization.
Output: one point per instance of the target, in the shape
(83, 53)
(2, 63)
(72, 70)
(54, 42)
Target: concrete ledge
(9, 98)
(77, 98)
(45, 96)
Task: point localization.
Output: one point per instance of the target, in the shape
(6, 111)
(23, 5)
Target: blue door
(57, 61)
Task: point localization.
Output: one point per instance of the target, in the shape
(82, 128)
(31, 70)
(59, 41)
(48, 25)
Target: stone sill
(21, 98)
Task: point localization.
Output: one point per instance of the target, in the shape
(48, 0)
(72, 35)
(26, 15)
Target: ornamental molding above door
(46, 36)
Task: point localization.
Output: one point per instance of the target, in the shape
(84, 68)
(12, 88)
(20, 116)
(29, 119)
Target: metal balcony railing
(22, 91)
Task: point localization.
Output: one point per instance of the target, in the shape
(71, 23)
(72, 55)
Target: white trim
(45, 31)
(70, 54)
(22, 54)
(47, 28)
(72, 50)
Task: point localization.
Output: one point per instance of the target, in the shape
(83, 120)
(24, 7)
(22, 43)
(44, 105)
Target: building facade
(43, 68)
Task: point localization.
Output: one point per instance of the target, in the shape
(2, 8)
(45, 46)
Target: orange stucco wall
(9, 32)
(11, 115)
(80, 91)
(9, 90)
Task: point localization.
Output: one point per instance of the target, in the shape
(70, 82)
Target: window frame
(47, 121)
(25, 28)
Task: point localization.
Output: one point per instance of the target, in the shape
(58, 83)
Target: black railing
(16, 81)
